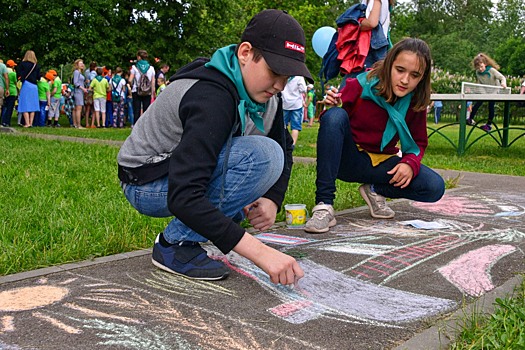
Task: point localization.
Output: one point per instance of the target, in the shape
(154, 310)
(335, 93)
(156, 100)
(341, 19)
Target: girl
(80, 90)
(128, 105)
(118, 97)
(357, 143)
(29, 74)
(486, 74)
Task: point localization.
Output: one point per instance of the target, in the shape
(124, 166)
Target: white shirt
(384, 14)
(293, 94)
(150, 73)
(120, 87)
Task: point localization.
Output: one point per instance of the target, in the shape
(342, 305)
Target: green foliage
(511, 56)
(111, 31)
(457, 30)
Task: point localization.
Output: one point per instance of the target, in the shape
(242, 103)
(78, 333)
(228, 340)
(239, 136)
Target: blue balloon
(321, 40)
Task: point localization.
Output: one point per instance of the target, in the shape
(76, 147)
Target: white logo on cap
(293, 46)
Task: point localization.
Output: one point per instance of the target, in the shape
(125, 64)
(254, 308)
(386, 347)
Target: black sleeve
(280, 134)
(21, 72)
(208, 112)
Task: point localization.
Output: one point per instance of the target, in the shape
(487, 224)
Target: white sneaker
(323, 217)
(376, 203)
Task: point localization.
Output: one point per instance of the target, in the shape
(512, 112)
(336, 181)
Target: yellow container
(295, 215)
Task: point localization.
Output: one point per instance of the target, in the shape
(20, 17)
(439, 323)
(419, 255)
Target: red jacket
(368, 122)
(353, 46)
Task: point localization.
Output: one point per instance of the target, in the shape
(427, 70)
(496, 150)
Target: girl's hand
(333, 97)
(402, 175)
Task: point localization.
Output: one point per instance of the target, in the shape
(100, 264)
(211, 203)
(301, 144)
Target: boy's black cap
(281, 40)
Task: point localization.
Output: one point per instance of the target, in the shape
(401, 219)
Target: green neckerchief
(486, 71)
(142, 66)
(396, 115)
(226, 62)
(99, 78)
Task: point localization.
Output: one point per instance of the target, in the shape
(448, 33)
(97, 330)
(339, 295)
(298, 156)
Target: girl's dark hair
(383, 71)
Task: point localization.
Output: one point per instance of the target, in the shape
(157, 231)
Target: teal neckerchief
(396, 115)
(486, 71)
(142, 66)
(99, 78)
(116, 78)
(226, 62)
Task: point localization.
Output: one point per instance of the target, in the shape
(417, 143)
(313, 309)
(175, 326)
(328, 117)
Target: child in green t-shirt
(309, 104)
(44, 96)
(100, 87)
(161, 83)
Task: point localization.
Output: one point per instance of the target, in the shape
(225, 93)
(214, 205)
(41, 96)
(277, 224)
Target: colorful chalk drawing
(325, 292)
(358, 293)
(470, 273)
(113, 315)
(282, 239)
(454, 205)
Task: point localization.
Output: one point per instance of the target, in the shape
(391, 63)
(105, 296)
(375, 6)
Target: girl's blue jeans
(339, 158)
(254, 164)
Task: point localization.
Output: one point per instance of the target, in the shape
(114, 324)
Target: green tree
(510, 55)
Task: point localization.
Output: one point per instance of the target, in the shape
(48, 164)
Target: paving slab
(369, 284)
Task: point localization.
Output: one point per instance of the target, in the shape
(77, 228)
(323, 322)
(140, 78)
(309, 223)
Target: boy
(100, 88)
(161, 83)
(212, 149)
(44, 97)
(56, 94)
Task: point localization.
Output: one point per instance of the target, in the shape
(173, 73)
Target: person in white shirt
(141, 100)
(293, 99)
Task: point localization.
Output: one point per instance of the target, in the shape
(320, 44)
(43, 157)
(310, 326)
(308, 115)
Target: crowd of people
(97, 97)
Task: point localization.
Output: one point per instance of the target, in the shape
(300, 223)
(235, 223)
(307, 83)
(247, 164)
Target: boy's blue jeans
(255, 163)
(339, 158)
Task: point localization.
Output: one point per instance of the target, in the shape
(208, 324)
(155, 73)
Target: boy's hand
(261, 213)
(403, 175)
(280, 267)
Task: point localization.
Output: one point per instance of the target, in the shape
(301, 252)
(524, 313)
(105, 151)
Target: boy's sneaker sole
(188, 259)
(167, 269)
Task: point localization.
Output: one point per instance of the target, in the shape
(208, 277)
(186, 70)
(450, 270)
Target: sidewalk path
(369, 284)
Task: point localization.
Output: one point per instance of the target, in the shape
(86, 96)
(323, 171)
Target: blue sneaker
(188, 259)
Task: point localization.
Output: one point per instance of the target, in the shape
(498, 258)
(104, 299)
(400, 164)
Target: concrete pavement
(369, 284)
